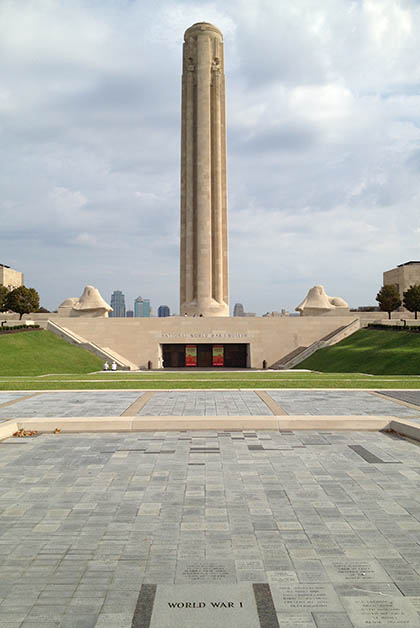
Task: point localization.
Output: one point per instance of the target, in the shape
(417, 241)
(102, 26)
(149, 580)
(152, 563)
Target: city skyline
(323, 145)
(142, 307)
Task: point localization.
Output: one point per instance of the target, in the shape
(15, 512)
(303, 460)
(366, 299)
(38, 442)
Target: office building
(142, 308)
(10, 278)
(238, 310)
(163, 310)
(117, 304)
(403, 276)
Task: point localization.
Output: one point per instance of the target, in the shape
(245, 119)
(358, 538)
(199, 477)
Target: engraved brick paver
(86, 519)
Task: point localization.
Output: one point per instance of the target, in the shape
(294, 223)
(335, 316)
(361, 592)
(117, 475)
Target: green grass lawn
(42, 361)
(377, 352)
(40, 352)
(205, 380)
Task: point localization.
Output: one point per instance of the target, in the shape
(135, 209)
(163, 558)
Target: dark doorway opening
(236, 355)
(173, 356)
(205, 355)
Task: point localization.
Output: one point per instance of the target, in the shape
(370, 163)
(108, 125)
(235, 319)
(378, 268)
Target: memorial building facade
(203, 335)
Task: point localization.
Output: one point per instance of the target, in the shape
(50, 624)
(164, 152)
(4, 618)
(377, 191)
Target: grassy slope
(23, 357)
(370, 351)
(40, 352)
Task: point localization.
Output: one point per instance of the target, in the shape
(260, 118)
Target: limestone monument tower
(204, 248)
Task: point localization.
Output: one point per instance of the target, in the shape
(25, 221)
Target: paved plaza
(205, 403)
(243, 529)
(97, 403)
(64, 404)
(306, 529)
(340, 402)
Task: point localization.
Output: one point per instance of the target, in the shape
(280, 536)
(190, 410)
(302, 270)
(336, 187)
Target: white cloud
(324, 144)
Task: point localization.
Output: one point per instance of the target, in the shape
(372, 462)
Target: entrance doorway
(205, 355)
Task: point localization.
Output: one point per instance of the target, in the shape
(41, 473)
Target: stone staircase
(301, 353)
(103, 352)
(280, 364)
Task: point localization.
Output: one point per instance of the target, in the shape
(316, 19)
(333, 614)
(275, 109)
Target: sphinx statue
(318, 302)
(90, 304)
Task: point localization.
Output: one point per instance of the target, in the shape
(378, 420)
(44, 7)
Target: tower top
(202, 27)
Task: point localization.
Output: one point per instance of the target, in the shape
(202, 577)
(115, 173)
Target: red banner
(191, 355)
(218, 355)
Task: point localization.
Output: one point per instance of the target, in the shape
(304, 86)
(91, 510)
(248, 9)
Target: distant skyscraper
(142, 308)
(163, 310)
(129, 314)
(117, 304)
(238, 310)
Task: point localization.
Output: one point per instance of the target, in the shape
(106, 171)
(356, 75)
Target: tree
(3, 294)
(22, 300)
(411, 299)
(388, 298)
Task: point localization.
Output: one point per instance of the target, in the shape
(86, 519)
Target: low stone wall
(9, 322)
(44, 316)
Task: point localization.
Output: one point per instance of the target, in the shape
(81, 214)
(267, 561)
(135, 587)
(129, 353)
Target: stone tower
(204, 247)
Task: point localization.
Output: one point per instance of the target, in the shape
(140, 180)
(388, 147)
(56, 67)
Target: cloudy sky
(323, 109)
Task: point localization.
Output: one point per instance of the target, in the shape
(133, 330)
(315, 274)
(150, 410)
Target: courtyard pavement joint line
(138, 404)
(401, 402)
(24, 398)
(275, 408)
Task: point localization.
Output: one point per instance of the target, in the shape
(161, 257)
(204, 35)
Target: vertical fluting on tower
(204, 253)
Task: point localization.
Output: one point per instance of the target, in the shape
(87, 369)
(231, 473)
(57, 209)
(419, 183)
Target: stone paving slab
(334, 402)
(206, 403)
(409, 396)
(71, 403)
(87, 519)
(6, 397)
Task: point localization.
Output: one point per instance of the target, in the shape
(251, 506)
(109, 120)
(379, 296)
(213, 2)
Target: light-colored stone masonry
(140, 340)
(204, 247)
(403, 276)
(10, 278)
